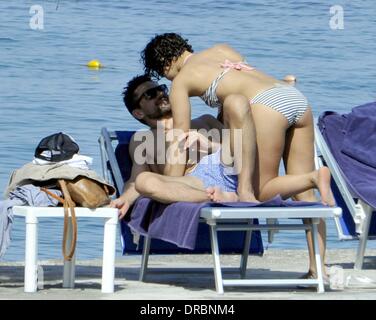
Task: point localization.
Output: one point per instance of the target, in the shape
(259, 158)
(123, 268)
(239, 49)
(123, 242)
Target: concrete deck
(172, 281)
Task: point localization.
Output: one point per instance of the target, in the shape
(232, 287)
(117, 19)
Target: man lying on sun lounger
(148, 102)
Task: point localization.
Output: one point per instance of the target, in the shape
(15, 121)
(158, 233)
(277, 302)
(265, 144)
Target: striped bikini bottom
(285, 99)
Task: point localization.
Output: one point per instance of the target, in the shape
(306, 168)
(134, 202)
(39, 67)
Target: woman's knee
(146, 183)
(236, 106)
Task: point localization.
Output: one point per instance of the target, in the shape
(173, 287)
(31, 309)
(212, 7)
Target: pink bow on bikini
(236, 65)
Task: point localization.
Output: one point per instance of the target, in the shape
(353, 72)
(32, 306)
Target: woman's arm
(181, 114)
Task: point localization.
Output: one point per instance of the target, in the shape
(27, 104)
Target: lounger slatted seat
(229, 219)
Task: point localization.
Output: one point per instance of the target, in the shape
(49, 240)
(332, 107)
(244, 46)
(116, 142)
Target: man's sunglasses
(153, 93)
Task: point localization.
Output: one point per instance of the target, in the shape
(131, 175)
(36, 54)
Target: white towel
(77, 161)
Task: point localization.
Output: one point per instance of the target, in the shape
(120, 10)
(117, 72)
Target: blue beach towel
(351, 139)
(178, 222)
(359, 140)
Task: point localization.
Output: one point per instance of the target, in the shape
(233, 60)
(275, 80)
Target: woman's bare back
(203, 67)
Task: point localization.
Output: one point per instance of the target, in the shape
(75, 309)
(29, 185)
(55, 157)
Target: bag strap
(68, 207)
(53, 195)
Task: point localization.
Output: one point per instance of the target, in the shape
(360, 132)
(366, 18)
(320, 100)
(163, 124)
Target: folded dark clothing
(22, 195)
(358, 172)
(359, 141)
(178, 222)
(368, 109)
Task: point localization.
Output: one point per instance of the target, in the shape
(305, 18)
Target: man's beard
(164, 111)
(161, 114)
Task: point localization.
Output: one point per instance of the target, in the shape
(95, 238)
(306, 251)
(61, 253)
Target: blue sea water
(45, 86)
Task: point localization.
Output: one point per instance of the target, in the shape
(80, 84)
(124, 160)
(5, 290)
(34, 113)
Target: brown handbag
(88, 193)
(83, 192)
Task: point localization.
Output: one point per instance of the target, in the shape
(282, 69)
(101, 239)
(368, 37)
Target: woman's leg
(167, 189)
(289, 185)
(237, 115)
(299, 159)
(271, 129)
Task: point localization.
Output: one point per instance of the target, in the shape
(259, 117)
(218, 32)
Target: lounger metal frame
(241, 219)
(360, 211)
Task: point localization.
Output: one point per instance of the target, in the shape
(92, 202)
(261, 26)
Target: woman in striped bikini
(246, 97)
(280, 112)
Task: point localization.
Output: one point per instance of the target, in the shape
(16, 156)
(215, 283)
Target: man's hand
(122, 205)
(196, 140)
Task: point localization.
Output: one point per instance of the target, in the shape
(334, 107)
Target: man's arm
(181, 114)
(210, 127)
(211, 122)
(130, 194)
(214, 124)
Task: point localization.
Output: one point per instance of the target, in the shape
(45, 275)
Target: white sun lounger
(241, 219)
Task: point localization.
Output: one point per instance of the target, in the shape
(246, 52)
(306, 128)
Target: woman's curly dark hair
(161, 51)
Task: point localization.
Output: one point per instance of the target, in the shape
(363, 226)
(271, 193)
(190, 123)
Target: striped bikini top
(210, 96)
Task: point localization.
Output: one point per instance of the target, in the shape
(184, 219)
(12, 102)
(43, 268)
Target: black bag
(56, 147)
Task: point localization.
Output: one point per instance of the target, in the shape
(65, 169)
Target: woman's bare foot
(313, 275)
(217, 195)
(321, 179)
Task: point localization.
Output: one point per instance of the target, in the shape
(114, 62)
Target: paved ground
(171, 281)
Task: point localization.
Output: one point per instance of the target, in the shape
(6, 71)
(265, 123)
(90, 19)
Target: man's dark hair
(128, 93)
(161, 51)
